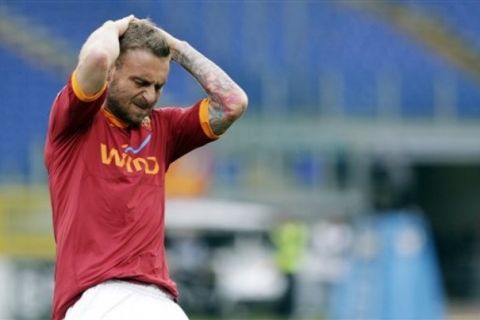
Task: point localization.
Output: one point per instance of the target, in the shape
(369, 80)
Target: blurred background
(349, 190)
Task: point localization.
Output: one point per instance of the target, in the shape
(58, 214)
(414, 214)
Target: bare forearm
(99, 53)
(227, 100)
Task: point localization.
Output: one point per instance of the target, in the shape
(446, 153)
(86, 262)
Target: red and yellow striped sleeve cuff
(204, 119)
(81, 95)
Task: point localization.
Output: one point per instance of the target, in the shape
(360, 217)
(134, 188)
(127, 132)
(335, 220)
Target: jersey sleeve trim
(204, 119)
(81, 95)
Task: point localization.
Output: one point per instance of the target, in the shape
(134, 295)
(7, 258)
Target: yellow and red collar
(114, 120)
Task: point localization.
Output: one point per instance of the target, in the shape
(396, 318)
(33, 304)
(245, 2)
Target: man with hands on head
(107, 151)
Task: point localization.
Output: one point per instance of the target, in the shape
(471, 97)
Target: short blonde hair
(144, 34)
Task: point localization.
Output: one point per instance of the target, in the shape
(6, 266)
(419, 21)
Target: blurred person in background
(290, 238)
(107, 151)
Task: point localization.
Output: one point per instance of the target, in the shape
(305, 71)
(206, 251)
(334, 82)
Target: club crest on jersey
(112, 156)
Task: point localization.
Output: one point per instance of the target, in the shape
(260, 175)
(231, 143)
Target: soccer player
(107, 151)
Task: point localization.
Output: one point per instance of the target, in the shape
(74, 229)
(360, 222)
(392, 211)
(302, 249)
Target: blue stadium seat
(294, 42)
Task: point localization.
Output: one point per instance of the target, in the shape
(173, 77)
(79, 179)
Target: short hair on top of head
(144, 34)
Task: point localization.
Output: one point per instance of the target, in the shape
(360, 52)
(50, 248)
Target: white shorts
(118, 300)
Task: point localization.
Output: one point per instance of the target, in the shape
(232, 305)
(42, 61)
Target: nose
(150, 95)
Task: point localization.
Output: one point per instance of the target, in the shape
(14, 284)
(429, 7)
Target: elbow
(243, 102)
(239, 103)
(97, 59)
(100, 59)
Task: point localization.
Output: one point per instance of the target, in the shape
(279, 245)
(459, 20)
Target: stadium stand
(293, 58)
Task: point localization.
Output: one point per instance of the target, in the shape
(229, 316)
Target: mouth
(142, 110)
(142, 106)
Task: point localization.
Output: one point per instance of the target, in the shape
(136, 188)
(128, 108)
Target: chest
(135, 154)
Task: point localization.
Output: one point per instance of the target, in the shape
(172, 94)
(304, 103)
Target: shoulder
(169, 112)
(163, 113)
(166, 111)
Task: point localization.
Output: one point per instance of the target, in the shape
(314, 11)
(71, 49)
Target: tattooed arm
(227, 101)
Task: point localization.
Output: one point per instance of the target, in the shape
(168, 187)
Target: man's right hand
(122, 24)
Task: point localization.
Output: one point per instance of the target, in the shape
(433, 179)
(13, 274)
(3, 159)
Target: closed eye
(141, 83)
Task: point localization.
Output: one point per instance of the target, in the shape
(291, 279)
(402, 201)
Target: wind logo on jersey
(112, 156)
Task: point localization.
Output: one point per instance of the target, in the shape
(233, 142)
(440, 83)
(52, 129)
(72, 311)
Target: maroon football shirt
(106, 184)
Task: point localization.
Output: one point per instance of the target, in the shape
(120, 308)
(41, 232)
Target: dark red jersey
(106, 184)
